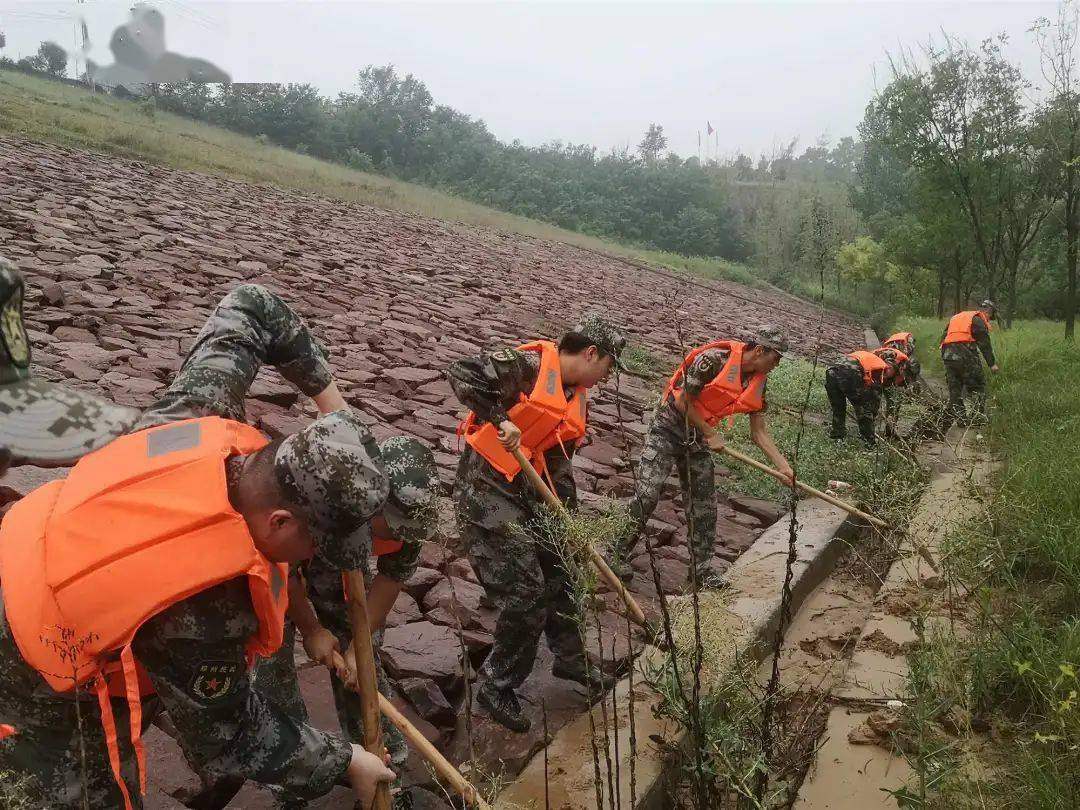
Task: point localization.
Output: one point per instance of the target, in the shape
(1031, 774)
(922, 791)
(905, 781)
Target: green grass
(876, 476)
(1018, 665)
(49, 111)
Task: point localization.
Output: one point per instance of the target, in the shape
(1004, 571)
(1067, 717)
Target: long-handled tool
(605, 571)
(365, 677)
(809, 490)
(372, 709)
(447, 772)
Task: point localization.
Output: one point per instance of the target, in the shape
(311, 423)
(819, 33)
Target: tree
(3, 41)
(961, 125)
(33, 64)
(1059, 120)
(653, 143)
(54, 58)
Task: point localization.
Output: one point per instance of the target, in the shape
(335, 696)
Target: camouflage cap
(893, 357)
(410, 510)
(333, 471)
(771, 337)
(988, 304)
(40, 422)
(603, 334)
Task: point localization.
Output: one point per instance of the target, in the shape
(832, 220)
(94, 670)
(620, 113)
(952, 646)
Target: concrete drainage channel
(753, 613)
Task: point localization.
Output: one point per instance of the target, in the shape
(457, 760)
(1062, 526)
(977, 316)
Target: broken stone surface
(428, 700)
(119, 289)
(459, 599)
(405, 610)
(423, 650)
(768, 512)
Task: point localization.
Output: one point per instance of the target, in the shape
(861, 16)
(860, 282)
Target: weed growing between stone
(16, 792)
(571, 535)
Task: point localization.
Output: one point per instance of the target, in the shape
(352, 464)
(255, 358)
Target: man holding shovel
(859, 378)
(318, 607)
(714, 382)
(173, 543)
(531, 398)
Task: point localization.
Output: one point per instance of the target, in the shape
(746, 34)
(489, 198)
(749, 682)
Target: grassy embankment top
(43, 110)
(1016, 664)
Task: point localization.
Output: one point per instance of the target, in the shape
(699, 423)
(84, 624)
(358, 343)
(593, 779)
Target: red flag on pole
(711, 130)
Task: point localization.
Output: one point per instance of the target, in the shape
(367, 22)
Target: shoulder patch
(504, 356)
(214, 680)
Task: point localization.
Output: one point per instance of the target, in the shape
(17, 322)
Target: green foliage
(652, 144)
(53, 59)
(884, 479)
(958, 180)
(393, 125)
(1019, 661)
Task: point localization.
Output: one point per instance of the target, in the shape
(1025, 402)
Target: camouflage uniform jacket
(489, 385)
(700, 373)
(954, 351)
(236, 731)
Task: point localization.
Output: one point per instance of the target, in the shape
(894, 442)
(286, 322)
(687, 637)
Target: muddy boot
(504, 707)
(592, 678)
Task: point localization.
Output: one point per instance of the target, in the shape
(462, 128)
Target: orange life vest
(6, 730)
(385, 545)
(136, 527)
(901, 340)
(545, 418)
(959, 330)
(870, 363)
(724, 395)
(901, 362)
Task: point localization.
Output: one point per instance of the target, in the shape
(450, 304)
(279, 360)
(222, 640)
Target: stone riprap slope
(124, 261)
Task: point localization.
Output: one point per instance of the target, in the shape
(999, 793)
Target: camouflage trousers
(666, 448)
(42, 760)
(843, 385)
(525, 578)
(964, 375)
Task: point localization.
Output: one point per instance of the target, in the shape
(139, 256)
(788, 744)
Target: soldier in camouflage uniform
(963, 368)
(318, 608)
(678, 437)
(501, 521)
(908, 378)
(331, 478)
(42, 423)
(846, 381)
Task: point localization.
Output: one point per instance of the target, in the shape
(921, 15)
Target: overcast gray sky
(599, 73)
